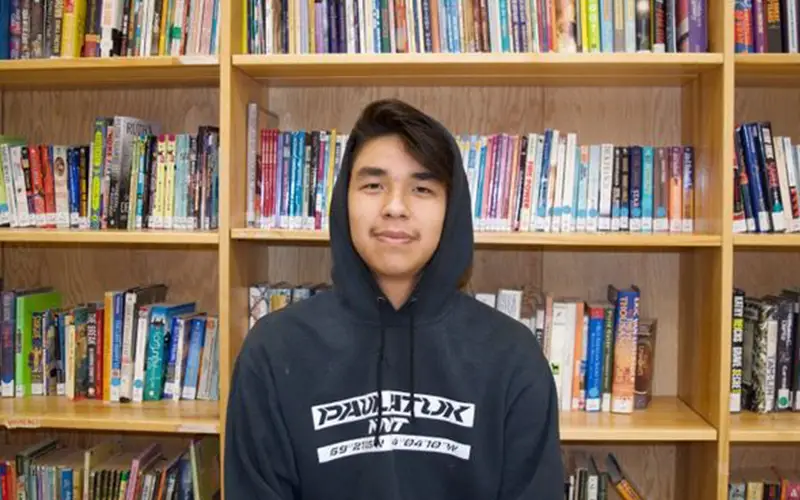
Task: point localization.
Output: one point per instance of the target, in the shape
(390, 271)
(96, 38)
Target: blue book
(647, 189)
(159, 346)
(594, 357)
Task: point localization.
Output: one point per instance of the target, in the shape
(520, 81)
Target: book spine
(743, 24)
(647, 189)
(737, 346)
(687, 214)
(622, 157)
(626, 331)
(771, 179)
(594, 360)
(783, 355)
(608, 357)
(7, 340)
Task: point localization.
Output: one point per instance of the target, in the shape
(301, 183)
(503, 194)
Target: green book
(28, 355)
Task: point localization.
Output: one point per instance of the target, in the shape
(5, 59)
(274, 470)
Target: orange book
(579, 359)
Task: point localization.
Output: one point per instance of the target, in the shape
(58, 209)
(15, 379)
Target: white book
(182, 334)
(593, 190)
(582, 191)
(558, 191)
(129, 330)
(142, 330)
(510, 302)
(568, 201)
(23, 215)
(783, 179)
(536, 185)
(487, 298)
(110, 22)
(61, 187)
(567, 356)
(606, 183)
(8, 179)
(557, 346)
(791, 174)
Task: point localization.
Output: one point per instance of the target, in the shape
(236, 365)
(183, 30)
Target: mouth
(394, 237)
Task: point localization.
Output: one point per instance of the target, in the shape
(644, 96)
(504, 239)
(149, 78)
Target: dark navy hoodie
(468, 408)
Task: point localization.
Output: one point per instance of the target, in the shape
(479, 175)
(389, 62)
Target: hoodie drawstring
(411, 360)
(380, 374)
(381, 351)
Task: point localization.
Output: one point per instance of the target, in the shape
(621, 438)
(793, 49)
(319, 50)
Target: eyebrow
(370, 171)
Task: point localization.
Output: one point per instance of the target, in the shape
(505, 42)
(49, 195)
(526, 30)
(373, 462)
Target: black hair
(428, 142)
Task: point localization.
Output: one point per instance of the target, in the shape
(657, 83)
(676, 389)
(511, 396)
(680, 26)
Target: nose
(395, 205)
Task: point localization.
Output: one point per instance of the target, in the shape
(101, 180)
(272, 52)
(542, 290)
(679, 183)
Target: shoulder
(281, 332)
(511, 338)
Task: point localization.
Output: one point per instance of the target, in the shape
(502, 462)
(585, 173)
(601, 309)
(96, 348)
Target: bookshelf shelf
(603, 69)
(767, 70)
(766, 240)
(188, 417)
(119, 72)
(750, 427)
(667, 419)
(109, 236)
(489, 240)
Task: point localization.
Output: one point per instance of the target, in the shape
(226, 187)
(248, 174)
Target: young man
(467, 407)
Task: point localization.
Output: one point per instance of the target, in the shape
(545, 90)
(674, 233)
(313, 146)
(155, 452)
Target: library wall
(71, 114)
(84, 274)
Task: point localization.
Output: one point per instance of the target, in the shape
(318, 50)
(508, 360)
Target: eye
(371, 186)
(423, 190)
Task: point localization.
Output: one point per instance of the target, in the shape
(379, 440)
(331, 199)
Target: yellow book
(245, 29)
(169, 183)
(312, 45)
(72, 27)
(108, 341)
(156, 218)
(162, 32)
(584, 34)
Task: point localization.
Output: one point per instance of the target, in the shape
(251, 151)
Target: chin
(394, 270)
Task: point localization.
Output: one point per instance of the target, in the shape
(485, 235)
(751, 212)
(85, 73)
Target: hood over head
(440, 278)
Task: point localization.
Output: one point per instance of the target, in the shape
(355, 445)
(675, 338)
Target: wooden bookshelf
(489, 239)
(619, 98)
(111, 236)
(113, 72)
(767, 70)
(766, 240)
(667, 419)
(184, 417)
(603, 69)
(748, 427)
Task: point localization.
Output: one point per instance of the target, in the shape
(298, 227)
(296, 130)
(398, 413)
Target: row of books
(586, 481)
(601, 353)
(763, 483)
(543, 182)
(765, 352)
(133, 345)
(461, 26)
(106, 28)
(129, 177)
(765, 26)
(52, 469)
(766, 177)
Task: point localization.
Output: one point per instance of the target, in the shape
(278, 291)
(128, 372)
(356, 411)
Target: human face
(396, 210)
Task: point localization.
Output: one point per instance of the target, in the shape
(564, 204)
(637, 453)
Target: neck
(397, 290)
